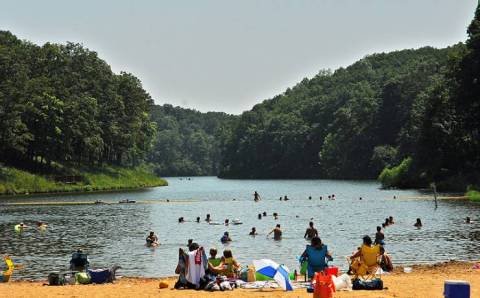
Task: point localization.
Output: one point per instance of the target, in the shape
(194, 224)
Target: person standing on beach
(256, 196)
(277, 233)
(310, 232)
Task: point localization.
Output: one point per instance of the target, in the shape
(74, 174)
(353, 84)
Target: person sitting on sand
(228, 265)
(253, 232)
(316, 255)
(379, 236)
(277, 233)
(418, 223)
(213, 261)
(310, 232)
(385, 261)
(365, 259)
(225, 238)
(390, 220)
(152, 239)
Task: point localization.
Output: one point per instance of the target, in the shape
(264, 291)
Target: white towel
(195, 271)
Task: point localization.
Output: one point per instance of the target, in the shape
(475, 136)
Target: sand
(424, 281)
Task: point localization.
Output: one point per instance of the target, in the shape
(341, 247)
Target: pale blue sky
(229, 55)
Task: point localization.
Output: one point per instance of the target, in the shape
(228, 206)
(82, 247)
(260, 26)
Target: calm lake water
(115, 233)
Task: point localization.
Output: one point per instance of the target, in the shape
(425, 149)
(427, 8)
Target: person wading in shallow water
(277, 233)
(256, 196)
(310, 232)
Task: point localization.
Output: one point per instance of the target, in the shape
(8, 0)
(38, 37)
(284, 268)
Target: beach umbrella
(279, 273)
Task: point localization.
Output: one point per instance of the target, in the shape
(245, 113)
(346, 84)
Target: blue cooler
(456, 289)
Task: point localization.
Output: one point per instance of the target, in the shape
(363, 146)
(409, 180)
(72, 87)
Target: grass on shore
(474, 195)
(14, 181)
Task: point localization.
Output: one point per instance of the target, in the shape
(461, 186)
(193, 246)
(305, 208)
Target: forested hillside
(413, 114)
(188, 143)
(350, 123)
(61, 104)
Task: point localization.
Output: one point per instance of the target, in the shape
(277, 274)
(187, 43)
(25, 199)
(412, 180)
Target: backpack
(371, 284)
(56, 279)
(82, 278)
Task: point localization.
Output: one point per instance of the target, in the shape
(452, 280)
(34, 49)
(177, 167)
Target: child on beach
(228, 265)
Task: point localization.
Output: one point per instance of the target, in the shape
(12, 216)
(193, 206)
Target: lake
(115, 233)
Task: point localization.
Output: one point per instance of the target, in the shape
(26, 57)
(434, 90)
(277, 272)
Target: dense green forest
(413, 113)
(408, 117)
(62, 104)
(350, 123)
(63, 112)
(188, 143)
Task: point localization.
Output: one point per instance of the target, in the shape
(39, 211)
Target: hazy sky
(229, 55)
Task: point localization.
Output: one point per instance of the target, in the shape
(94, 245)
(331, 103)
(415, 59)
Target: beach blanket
(196, 265)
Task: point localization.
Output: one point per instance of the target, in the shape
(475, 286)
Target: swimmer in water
(207, 219)
(387, 222)
(198, 219)
(310, 197)
(467, 220)
(42, 225)
(181, 220)
(280, 198)
(227, 221)
(275, 215)
(253, 232)
(225, 238)
(277, 233)
(264, 213)
(321, 198)
(310, 232)
(189, 243)
(418, 223)
(256, 196)
(152, 240)
(360, 198)
(286, 198)
(259, 216)
(390, 220)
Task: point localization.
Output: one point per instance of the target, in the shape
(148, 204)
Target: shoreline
(79, 192)
(423, 281)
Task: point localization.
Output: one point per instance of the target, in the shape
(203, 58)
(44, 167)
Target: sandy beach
(424, 281)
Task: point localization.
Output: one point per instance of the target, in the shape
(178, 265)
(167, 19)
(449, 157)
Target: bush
(474, 195)
(397, 176)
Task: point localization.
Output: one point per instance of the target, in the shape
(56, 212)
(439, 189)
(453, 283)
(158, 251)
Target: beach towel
(195, 271)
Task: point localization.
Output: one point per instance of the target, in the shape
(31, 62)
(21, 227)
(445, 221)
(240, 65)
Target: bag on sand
(56, 279)
(371, 284)
(82, 278)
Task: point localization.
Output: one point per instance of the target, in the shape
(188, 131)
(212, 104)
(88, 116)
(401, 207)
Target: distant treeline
(188, 143)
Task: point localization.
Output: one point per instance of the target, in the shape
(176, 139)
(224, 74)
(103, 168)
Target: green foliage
(14, 181)
(474, 195)
(347, 124)
(188, 143)
(63, 104)
(397, 175)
